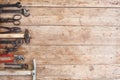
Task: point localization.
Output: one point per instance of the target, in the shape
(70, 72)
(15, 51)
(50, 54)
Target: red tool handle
(6, 61)
(7, 55)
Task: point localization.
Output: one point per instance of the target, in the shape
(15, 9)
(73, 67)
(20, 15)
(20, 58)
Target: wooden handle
(11, 35)
(15, 73)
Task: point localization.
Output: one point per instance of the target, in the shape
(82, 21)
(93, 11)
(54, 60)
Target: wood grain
(66, 35)
(68, 3)
(73, 55)
(71, 39)
(84, 72)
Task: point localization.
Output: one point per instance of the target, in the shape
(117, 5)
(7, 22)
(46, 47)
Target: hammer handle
(11, 36)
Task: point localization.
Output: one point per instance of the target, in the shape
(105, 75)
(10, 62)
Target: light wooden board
(72, 40)
(68, 3)
(96, 72)
(15, 77)
(70, 35)
(73, 55)
(70, 16)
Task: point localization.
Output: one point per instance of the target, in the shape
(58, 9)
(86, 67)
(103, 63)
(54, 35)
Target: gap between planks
(39, 6)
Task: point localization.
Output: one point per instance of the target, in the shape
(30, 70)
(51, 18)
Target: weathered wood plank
(63, 78)
(92, 72)
(15, 77)
(71, 16)
(69, 55)
(71, 50)
(66, 35)
(76, 59)
(69, 3)
(73, 72)
(94, 51)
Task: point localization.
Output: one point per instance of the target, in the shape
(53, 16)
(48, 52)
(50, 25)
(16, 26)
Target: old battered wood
(61, 52)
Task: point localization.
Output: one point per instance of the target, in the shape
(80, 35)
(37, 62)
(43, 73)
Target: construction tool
(15, 66)
(6, 50)
(14, 43)
(4, 30)
(23, 11)
(10, 58)
(15, 19)
(26, 36)
(21, 73)
(17, 4)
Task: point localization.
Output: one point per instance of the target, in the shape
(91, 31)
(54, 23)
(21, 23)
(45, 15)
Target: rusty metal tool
(23, 11)
(6, 50)
(17, 4)
(4, 30)
(14, 43)
(21, 73)
(15, 19)
(15, 66)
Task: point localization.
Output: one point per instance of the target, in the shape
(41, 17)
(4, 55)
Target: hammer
(26, 36)
(21, 73)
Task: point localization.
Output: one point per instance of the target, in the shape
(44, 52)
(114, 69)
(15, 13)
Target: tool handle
(16, 66)
(7, 61)
(7, 55)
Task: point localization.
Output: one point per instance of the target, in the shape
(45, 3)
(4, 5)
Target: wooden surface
(72, 39)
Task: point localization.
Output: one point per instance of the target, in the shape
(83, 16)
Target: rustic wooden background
(72, 39)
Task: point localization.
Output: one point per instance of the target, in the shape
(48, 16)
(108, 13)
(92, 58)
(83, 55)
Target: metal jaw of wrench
(26, 36)
(21, 73)
(13, 58)
(17, 4)
(9, 30)
(15, 19)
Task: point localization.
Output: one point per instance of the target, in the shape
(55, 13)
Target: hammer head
(27, 36)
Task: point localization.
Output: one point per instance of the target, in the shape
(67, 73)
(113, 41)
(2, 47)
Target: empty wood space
(71, 39)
